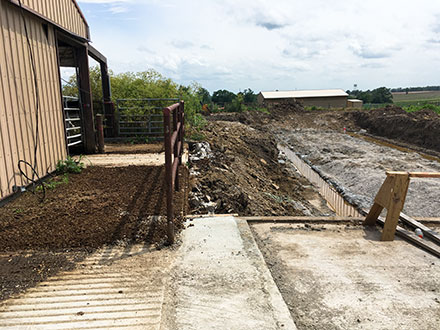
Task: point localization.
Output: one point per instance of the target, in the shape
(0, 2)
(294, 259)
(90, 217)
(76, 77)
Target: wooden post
(395, 206)
(168, 175)
(100, 131)
(391, 196)
(86, 100)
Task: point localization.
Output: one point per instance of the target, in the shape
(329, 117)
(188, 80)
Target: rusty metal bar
(173, 140)
(168, 175)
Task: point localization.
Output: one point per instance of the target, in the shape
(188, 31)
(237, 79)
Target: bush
(70, 165)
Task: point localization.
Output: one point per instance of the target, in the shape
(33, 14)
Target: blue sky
(268, 45)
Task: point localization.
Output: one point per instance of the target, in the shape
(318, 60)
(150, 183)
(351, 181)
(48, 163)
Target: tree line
(378, 95)
(415, 89)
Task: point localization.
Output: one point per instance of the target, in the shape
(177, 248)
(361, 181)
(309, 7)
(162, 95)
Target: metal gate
(73, 121)
(141, 117)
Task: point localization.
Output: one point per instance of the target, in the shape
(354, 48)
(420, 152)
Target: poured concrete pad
(344, 277)
(220, 281)
(114, 288)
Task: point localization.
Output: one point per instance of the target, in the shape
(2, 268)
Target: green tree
(249, 97)
(204, 95)
(223, 97)
(381, 95)
(141, 85)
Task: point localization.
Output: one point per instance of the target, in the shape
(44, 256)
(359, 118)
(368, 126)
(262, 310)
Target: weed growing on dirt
(70, 165)
(426, 106)
(18, 211)
(53, 183)
(194, 131)
(279, 199)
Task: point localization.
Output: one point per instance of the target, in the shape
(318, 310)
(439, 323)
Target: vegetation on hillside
(375, 96)
(145, 84)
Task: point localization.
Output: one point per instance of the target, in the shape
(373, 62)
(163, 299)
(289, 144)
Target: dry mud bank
(359, 167)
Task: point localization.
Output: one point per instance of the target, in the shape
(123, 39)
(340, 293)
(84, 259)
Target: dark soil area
(244, 175)
(421, 128)
(99, 206)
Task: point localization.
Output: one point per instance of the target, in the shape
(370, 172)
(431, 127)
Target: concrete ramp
(217, 279)
(115, 288)
(221, 280)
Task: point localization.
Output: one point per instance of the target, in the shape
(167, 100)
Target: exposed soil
(22, 270)
(100, 206)
(421, 128)
(243, 174)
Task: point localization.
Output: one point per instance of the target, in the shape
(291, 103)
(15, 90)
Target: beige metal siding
(325, 102)
(322, 102)
(63, 12)
(17, 98)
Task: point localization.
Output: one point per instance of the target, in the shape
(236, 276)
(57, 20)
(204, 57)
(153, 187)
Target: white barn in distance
(324, 98)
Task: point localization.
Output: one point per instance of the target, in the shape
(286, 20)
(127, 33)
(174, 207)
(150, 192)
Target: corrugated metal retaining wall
(63, 12)
(17, 98)
(336, 201)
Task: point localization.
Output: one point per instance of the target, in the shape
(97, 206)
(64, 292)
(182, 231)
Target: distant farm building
(38, 126)
(324, 98)
(355, 103)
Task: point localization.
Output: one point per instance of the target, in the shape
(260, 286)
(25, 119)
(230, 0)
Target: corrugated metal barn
(37, 37)
(325, 98)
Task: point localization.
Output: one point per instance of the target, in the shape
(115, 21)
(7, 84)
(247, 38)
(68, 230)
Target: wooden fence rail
(173, 139)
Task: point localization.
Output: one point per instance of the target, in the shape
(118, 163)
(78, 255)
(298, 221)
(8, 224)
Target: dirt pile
(244, 174)
(421, 128)
(99, 206)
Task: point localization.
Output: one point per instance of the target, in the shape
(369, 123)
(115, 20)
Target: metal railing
(73, 121)
(173, 139)
(141, 117)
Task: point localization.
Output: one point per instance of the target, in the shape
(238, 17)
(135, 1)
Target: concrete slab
(344, 277)
(220, 281)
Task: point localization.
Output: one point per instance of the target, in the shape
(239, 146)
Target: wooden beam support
(395, 206)
(416, 174)
(411, 237)
(372, 216)
(428, 232)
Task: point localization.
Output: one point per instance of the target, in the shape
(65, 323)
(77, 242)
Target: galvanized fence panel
(73, 121)
(141, 117)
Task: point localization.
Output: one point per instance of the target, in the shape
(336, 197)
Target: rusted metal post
(182, 129)
(168, 174)
(176, 150)
(100, 132)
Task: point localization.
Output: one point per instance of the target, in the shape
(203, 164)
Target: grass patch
(414, 108)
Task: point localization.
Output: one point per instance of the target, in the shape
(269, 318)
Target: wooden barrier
(391, 196)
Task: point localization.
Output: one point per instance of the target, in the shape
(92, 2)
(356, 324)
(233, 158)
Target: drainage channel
(333, 198)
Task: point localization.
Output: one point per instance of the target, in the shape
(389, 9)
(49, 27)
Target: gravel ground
(359, 166)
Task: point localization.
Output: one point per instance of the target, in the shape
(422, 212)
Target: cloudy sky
(272, 44)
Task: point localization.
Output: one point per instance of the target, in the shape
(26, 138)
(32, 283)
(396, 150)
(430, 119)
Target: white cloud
(264, 44)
